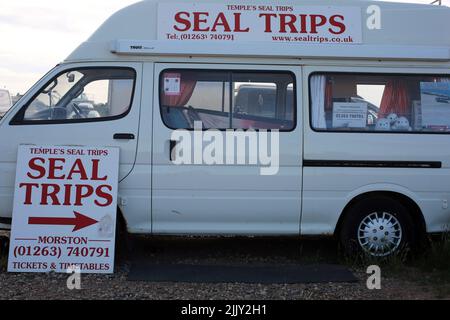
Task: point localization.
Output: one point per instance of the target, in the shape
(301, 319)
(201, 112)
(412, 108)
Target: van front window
(84, 94)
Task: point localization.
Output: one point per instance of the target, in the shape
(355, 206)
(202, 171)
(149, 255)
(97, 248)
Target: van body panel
(399, 26)
(135, 190)
(327, 190)
(190, 198)
(326, 194)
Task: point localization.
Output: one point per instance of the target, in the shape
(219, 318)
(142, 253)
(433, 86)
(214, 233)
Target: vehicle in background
(5, 101)
(16, 98)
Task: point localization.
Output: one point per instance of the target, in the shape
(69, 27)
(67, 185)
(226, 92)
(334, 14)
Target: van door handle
(123, 136)
(172, 145)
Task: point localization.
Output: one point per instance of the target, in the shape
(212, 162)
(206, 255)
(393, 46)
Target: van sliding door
(198, 187)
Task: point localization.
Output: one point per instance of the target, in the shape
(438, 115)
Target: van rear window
(380, 103)
(227, 99)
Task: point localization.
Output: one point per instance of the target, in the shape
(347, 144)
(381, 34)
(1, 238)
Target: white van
(359, 92)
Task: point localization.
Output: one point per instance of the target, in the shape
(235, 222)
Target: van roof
(408, 31)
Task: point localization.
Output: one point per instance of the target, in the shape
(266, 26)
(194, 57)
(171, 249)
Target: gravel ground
(212, 251)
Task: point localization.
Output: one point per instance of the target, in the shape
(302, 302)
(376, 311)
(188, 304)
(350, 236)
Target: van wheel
(377, 227)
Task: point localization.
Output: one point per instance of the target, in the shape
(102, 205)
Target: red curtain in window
(395, 99)
(187, 86)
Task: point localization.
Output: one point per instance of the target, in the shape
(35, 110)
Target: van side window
(227, 99)
(380, 103)
(82, 95)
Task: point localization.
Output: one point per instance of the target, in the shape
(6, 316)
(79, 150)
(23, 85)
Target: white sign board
(259, 22)
(349, 115)
(64, 212)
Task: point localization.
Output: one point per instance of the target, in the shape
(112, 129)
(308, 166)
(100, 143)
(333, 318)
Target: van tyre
(377, 227)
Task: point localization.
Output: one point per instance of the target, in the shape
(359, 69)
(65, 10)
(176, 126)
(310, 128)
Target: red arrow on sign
(79, 222)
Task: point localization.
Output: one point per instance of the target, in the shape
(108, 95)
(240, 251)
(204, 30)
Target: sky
(37, 35)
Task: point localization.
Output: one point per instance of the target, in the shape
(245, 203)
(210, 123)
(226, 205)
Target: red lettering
(179, 19)
(237, 24)
(53, 167)
(198, 20)
(317, 20)
(221, 20)
(101, 194)
(46, 193)
(268, 20)
(338, 24)
(67, 194)
(28, 191)
(80, 194)
(288, 20)
(33, 165)
(78, 168)
(303, 23)
(95, 176)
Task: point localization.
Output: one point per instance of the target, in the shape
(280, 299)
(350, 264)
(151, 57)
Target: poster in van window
(349, 115)
(172, 84)
(65, 204)
(435, 102)
(202, 22)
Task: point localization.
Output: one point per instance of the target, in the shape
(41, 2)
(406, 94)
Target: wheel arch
(406, 200)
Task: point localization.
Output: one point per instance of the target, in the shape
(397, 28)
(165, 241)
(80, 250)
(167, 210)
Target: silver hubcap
(380, 234)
